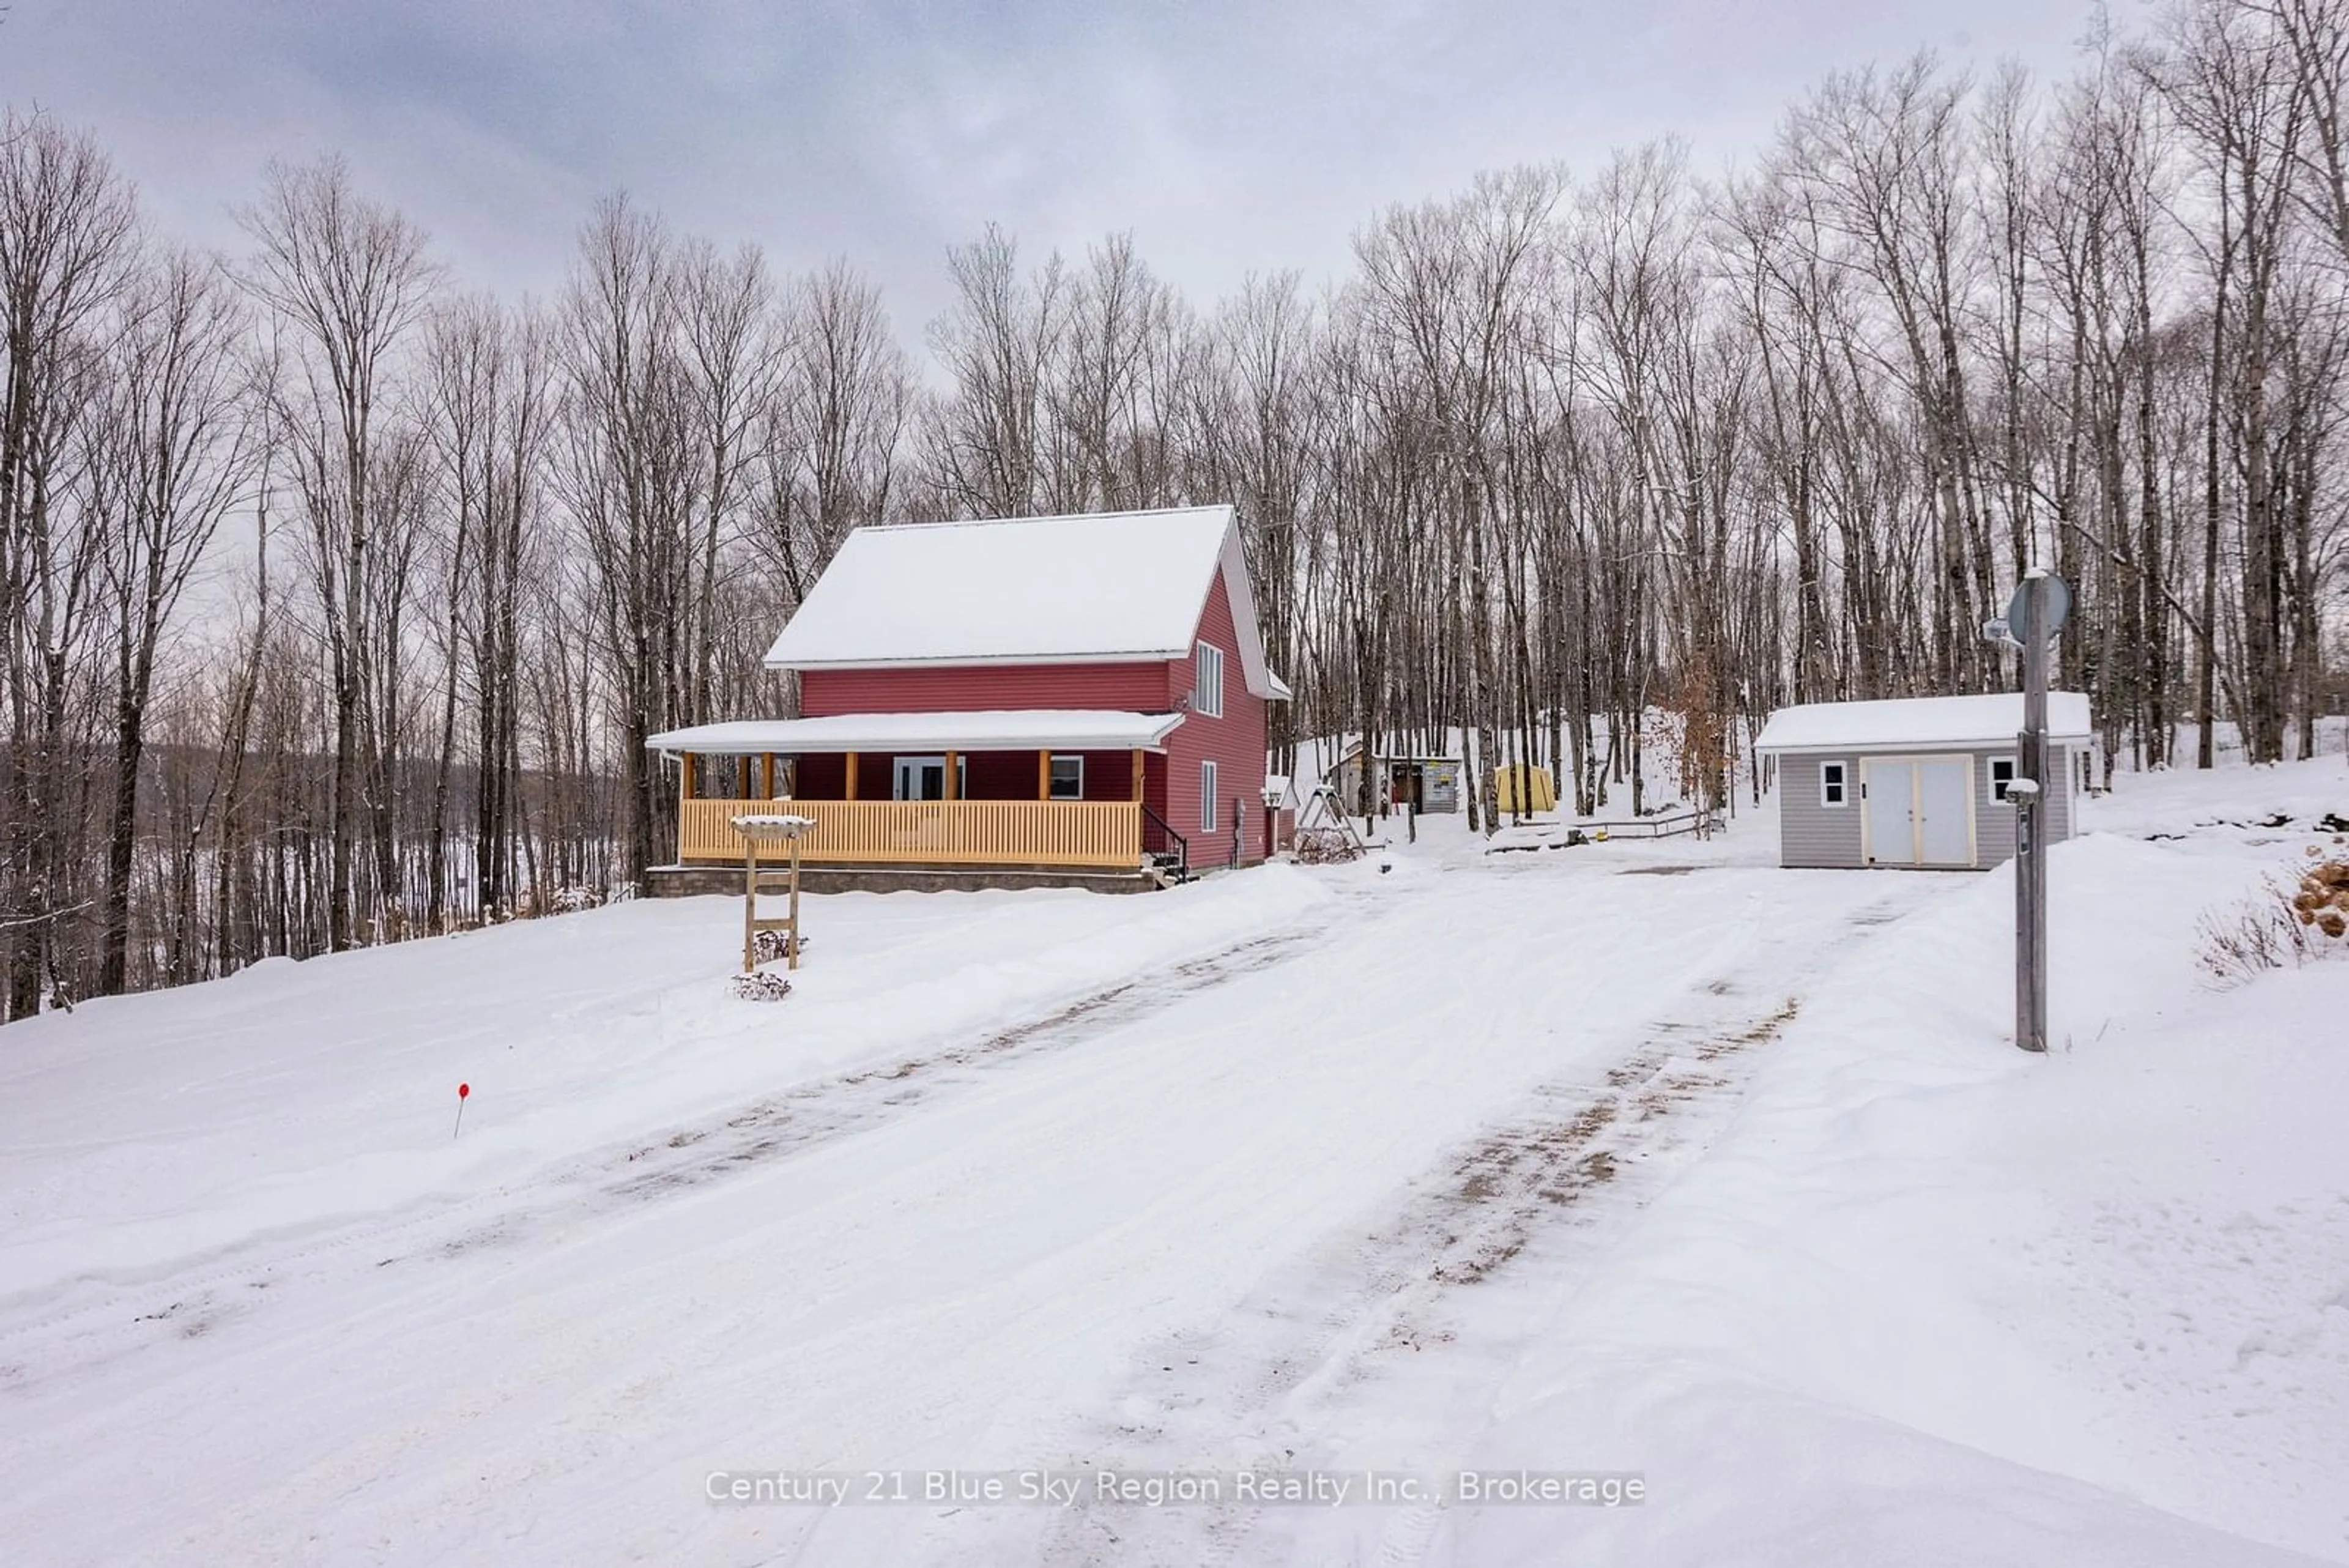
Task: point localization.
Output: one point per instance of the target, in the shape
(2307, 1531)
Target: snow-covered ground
(1644, 1158)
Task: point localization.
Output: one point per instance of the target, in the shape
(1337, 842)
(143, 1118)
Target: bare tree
(349, 278)
(1551, 463)
(173, 448)
(834, 432)
(989, 438)
(67, 236)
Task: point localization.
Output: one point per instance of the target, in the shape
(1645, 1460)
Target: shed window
(2001, 773)
(1067, 777)
(1206, 797)
(1207, 682)
(1835, 786)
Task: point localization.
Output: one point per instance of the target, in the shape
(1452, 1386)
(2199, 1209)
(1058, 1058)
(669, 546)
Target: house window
(1068, 778)
(1835, 783)
(2001, 773)
(1207, 682)
(1206, 797)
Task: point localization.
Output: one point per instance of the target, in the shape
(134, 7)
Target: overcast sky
(1229, 137)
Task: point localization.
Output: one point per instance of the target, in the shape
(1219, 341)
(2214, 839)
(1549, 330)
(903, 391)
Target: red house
(1076, 696)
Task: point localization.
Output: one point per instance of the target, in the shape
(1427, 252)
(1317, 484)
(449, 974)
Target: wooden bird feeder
(779, 837)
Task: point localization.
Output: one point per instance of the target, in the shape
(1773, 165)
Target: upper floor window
(1207, 682)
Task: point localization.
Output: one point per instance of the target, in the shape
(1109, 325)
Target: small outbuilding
(1428, 783)
(1917, 781)
(1522, 789)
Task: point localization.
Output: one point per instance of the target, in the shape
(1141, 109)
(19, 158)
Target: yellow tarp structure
(1522, 788)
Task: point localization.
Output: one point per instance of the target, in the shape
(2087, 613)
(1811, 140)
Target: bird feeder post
(791, 944)
(756, 829)
(749, 903)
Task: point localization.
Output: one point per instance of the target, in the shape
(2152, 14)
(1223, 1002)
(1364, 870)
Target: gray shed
(1916, 780)
(1432, 783)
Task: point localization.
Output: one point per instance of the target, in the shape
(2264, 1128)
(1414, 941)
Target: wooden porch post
(767, 775)
(852, 775)
(952, 793)
(1043, 776)
(1138, 772)
(686, 774)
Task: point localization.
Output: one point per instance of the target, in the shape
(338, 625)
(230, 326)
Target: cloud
(1230, 137)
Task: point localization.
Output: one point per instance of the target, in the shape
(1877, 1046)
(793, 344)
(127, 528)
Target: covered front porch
(1025, 790)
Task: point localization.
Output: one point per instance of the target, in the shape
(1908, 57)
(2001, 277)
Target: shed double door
(1918, 811)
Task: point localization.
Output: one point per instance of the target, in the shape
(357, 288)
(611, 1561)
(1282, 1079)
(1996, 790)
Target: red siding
(987, 775)
(820, 777)
(978, 688)
(1109, 776)
(999, 775)
(1234, 742)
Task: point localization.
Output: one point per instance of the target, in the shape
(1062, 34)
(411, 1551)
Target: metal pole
(2030, 839)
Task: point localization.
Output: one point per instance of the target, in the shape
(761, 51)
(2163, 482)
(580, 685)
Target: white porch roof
(993, 730)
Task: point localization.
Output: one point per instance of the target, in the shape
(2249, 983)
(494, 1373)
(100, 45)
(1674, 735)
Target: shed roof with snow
(1101, 588)
(1923, 723)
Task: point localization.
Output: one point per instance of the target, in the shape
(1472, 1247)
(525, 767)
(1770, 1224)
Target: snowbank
(1441, 1159)
(142, 1129)
(1933, 1300)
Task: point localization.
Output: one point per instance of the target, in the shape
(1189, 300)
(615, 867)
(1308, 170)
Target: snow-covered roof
(994, 730)
(1104, 587)
(1904, 721)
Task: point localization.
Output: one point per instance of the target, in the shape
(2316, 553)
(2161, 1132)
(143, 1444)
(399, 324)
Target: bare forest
(336, 601)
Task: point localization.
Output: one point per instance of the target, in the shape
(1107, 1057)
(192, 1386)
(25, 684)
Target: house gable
(1024, 595)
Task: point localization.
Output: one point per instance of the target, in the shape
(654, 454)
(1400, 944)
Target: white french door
(925, 778)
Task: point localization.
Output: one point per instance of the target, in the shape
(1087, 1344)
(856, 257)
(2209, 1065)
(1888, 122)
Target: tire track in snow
(1265, 1388)
(849, 1103)
(1577, 1162)
(96, 1321)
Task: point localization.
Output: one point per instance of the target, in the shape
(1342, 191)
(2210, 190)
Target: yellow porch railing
(930, 832)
